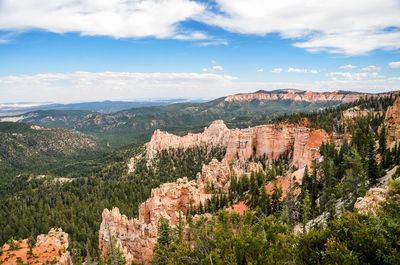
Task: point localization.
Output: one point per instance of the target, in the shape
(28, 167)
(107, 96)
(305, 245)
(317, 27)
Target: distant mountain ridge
(107, 106)
(301, 95)
(138, 124)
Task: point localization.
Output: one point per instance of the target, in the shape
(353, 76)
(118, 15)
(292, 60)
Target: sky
(93, 50)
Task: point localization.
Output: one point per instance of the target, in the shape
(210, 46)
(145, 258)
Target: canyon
(137, 237)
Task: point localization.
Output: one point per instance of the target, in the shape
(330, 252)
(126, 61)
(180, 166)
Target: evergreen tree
(305, 210)
(290, 203)
(276, 203)
(180, 228)
(382, 140)
(373, 173)
(314, 186)
(165, 234)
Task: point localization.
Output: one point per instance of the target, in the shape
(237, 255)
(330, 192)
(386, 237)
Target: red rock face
(271, 140)
(306, 146)
(392, 123)
(51, 247)
(297, 95)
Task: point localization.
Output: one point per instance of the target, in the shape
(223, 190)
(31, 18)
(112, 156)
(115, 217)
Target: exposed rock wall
(392, 123)
(51, 247)
(306, 146)
(214, 135)
(271, 140)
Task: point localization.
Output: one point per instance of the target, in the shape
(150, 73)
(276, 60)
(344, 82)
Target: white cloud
(277, 70)
(371, 68)
(348, 66)
(314, 71)
(215, 68)
(191, 36)
(81, 86)
(116, 18)
(260, 70)
(354, 76)
(394, 64)
(87, 86)
(337, 26)
(296, 70)
(212, 43)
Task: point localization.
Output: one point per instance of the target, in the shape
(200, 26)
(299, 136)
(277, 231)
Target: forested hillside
(35, 149)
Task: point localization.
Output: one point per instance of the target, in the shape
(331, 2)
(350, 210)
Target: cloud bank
(88, 86)
(350, 27)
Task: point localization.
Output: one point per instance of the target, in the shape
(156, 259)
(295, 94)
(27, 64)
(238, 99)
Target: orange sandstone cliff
(271, 140)
(49, 248)
(392, 123)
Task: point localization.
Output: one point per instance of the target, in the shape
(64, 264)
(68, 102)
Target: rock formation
(213, 135)
(298, 95)
(271, 140)
(137, 237)
(49, 248)
(371, 202)
(392, 123)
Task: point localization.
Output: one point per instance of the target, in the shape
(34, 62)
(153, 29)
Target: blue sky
(69, 51)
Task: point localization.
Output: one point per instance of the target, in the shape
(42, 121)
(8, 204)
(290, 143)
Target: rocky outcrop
(392, 123)
(298, 95)
(214, 135)
(270, 140)
(371, 202)
(137, 237)
(218, 174)
(49, 248)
